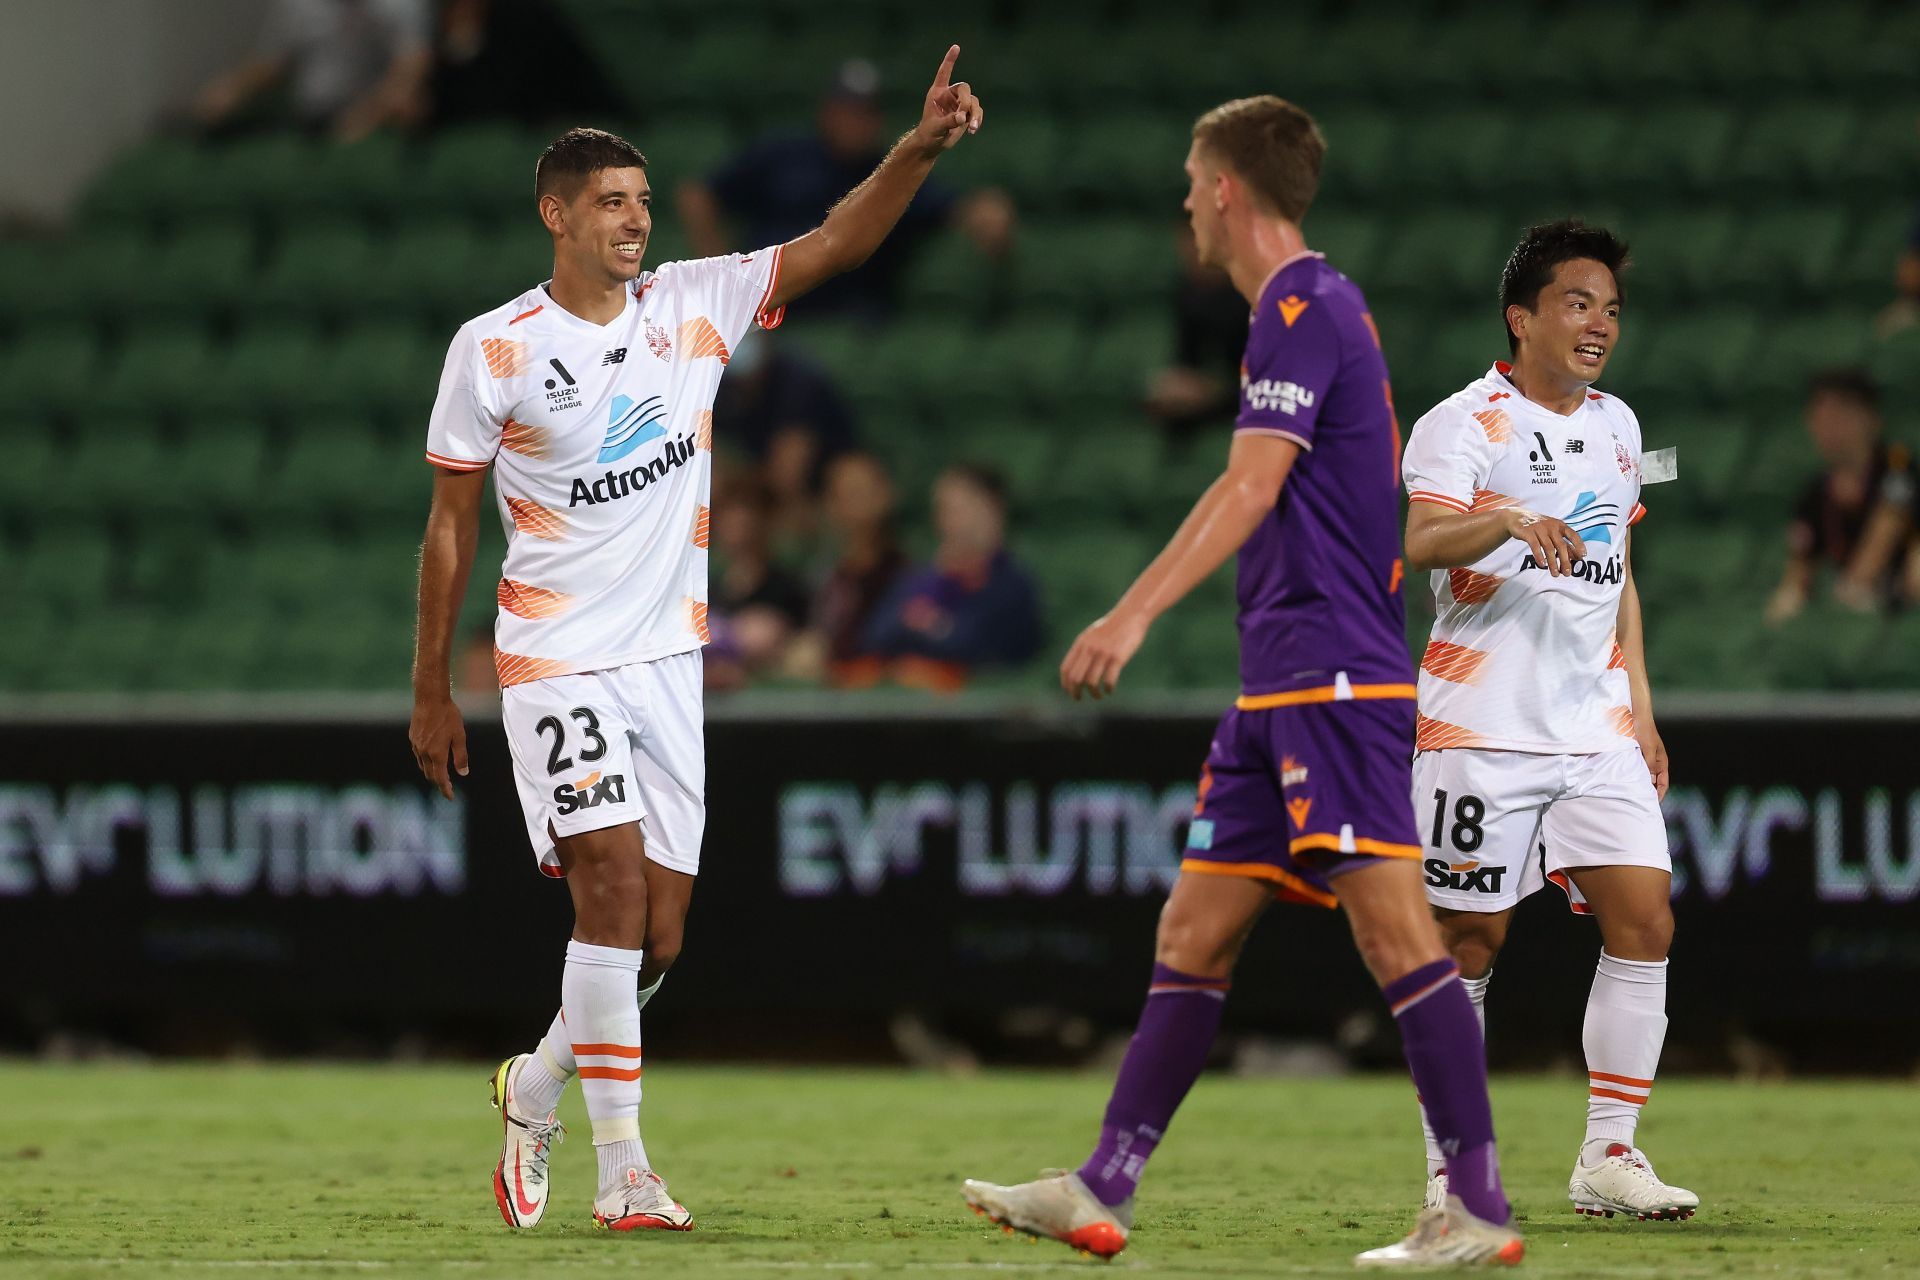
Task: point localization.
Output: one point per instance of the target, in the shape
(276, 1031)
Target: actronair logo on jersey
(615, 485)
(1269, 393)
(631, 425)
(1593, 520)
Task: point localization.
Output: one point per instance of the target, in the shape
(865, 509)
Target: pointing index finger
(944, 75)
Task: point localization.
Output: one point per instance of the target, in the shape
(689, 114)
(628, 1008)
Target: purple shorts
(1295, 795)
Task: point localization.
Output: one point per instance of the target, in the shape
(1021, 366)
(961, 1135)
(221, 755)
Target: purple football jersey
(1319, 580)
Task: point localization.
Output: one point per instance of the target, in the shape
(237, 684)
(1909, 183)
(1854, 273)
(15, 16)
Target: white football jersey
(1521, 660)
(601, 443)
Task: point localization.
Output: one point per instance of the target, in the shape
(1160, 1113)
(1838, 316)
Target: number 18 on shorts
(1498, 825)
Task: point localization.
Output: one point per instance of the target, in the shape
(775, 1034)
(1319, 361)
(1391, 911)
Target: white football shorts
(627, 744)
(1497, 825)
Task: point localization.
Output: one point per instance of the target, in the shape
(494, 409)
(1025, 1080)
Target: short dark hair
(986, 479)
(1271, 144)
(1545, 246)
(1850, 382)
(577, 154)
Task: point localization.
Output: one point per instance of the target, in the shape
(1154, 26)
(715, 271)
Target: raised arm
(1225, 517)
(446, 561)
(1633, 645)
(856, 226)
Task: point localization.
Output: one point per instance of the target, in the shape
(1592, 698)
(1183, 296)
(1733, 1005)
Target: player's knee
(1193, 944)
(663, 948)
(1473, 948)
(1646, 937)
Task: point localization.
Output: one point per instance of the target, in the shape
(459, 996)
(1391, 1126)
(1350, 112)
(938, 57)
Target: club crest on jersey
(590, 791)
(1623, 459)
(631, 425)
(659, 341)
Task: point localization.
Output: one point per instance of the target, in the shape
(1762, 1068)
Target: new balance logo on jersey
(616, 356)
(570, 797)
(1288, 397)
(1463, 877)
(1574, 446)
(631, 425)
(615, 485)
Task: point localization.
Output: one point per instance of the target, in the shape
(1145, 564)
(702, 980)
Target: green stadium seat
(949, 275)
(1111, 473)
(1570, 154)
(1363, 155)
(1798, 247)
(197, 273)
(1135, 159)
(1793, 350)
(1350, 238)
(44, 368)
(1689, 357)
(422, 269)
(1866, 267)
(1467, 148)
(367, 178)
(1680, 254)
(1122, 359)
(317, 269)
(1802, 143)
(1675, 148)
(484, 172)
(1895, 361)
(124, 464)
(1450, 252)
(267, 369)
(1022, 158)
(169, 179)
(66, 565)
(159, 370)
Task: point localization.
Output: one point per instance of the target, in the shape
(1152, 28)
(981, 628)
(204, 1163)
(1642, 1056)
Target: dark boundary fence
(291, 885)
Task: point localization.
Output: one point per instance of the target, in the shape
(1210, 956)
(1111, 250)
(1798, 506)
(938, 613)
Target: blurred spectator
(1858, 518)
(1210, 336)
(868, 561)
(484, 44)
(348, 67)
(785, 413)
(755, 606)
(782, 186)
(972, 607)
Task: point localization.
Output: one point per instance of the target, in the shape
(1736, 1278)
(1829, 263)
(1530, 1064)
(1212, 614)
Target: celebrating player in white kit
(1538, 759)
(591, 398)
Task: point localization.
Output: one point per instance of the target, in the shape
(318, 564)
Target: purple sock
(1168, 1051)
(1444, 1048)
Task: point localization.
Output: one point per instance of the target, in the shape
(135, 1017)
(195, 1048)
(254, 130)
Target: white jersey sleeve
(1449, 455)
(464, 432)
(732, 291)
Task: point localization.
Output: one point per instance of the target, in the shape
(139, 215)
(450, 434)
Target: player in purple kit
(1304, 795)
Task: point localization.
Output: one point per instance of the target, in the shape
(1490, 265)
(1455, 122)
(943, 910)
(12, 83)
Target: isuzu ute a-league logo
(562, 397)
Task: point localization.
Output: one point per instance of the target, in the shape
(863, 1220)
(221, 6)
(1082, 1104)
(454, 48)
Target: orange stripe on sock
(1598, 1093)
(609, 1073)
(609, 1050)
(1638, 1084)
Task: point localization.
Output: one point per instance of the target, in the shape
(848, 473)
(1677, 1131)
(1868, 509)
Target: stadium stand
(214, 475)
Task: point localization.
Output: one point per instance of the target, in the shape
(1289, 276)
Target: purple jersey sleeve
(1293, 353)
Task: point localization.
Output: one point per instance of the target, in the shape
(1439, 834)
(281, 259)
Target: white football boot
(641, 1203)
(520, 1179)
(1436, 1197)
(1624, 1182)
(1450, 1237)
(1057, 1206)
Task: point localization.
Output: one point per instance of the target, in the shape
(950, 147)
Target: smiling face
(1573, 325)
(603, 229)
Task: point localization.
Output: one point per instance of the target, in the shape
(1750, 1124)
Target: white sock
(603, 1005)
(647, 993)
(543, 1077)
(1476, 992)
(616, 1158)
(1626, 1026)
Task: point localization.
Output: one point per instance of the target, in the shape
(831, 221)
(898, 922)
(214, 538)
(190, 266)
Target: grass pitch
(182, 1171)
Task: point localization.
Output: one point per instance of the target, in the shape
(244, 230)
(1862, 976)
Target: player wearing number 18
(1538, 759)
(590, 397)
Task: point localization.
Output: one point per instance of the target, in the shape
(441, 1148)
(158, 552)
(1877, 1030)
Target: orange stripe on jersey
(456, 464)
(1639, 513)
(697, 619)
(1618, 661)
(1453, 662)
(524, 438)
(1437, 499)
(1285, 884)
(703, 430)
(698, 339)
(1488, 500)
(526, 315)
(518, 668)
(1437, 735)
(505, 357)
(609, 1073)
(1469, 587)
(541, 522)
(523, 600)
(1321, 693)
(1622, 718)
(702, 525)
(1496, 423)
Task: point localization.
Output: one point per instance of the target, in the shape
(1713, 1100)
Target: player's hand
(437, 732)
(1093, 664)
(951, 111)
(1654, 752)
(1554, 544)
